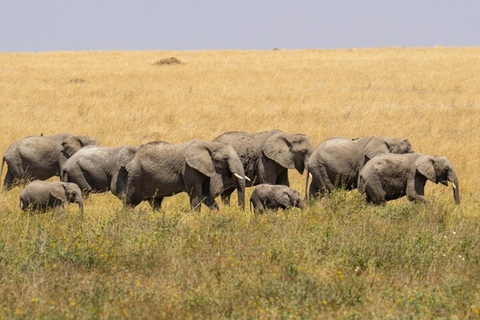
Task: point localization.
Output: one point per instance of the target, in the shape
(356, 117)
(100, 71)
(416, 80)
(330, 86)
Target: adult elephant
(392, 176)
(41, 157)
(160, 170)
(337, 161)
(266, 157)
(99, 169)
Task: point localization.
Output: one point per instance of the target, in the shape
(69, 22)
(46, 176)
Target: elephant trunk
(80, 206)
(305, 160)
(452, 177)
(236, 168)
(300, 204)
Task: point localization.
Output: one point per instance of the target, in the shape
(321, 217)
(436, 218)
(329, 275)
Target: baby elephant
(268, 196)
(392, 176)
(41, 195)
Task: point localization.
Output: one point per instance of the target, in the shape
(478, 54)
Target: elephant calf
(42, 195)
(392, 176)
(268, 196)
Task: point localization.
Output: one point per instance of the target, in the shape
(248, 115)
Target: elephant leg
(415, 191)
(225, 195)
(14, 173)
(257, 205)
(131, 202)
(9, 180)
(282, 178)
(375, 193)
(119, 183)
(58, 209)
(196, 196)
(313, 191)
(156, 203)
(318, 186)
(208, 197)
(77, 176)
(326, 184)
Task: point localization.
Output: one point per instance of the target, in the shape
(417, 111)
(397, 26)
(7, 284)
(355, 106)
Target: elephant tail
(3, 162)
(361, 184)
(64, 176)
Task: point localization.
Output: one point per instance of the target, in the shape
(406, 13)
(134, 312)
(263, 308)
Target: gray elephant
(42, 195)
(392, 176)
(160, 170)
(266, 157)
(40, 157)
(337, 161)
(99, 169)
(273, 197)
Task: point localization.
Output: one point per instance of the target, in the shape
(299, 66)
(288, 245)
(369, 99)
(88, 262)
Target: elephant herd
(381, 168)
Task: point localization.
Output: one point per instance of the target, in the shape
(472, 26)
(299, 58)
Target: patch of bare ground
(168, 61)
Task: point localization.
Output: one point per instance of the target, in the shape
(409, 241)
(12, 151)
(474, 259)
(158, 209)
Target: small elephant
(40, 157)
(160, 170)
(266, 157)
(41, 195)
(392, 176)
(337, 161)
(99, 169)
(268, 196)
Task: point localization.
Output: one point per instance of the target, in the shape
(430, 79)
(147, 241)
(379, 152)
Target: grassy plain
(340, 258)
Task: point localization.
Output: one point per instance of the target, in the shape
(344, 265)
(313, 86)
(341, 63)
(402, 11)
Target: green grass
(340, 258)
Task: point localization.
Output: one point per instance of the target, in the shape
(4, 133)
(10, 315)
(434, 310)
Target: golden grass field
(429, 95)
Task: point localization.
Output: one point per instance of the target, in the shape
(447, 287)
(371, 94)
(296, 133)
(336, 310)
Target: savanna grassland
(339, 258)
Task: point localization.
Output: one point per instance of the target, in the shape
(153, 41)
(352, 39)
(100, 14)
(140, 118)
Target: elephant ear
(74, 143)
(71, 145)
(199, 157)
(277, 148)
(426, 167)
(376, 147)
(58, 191)
(126, 155)
(285, 199)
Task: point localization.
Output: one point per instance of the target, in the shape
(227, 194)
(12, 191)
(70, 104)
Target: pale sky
(58, 25)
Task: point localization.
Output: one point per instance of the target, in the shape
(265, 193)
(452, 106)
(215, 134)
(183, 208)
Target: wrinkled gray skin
(42, 195)
(161, 170)
(99, 169)
(266, 157)
(273, 197)
(40, 157)
(392, 176)
(337, 161)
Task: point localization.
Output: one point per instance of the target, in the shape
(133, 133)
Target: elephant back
(245, 142)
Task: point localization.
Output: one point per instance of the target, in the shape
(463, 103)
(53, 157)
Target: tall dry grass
(231, 263)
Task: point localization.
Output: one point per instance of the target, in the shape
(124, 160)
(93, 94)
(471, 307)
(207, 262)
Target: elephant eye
(225, 158)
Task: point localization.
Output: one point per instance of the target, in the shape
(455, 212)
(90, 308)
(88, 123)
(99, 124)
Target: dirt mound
(168, 61)
(77, 80)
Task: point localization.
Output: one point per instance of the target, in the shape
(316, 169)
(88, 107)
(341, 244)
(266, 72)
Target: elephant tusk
(238, 176)
(310, 175)
(454, 186)
(247, 178)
